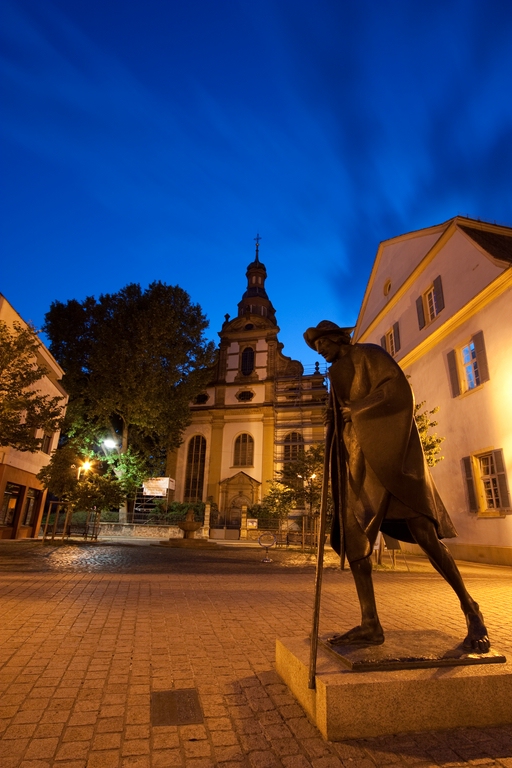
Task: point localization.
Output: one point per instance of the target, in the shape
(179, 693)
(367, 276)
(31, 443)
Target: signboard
(158, 486)
(252, 522)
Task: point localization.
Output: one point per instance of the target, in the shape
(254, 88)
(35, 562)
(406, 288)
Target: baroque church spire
(255, 300)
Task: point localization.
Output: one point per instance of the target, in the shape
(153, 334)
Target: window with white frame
(467, 365)
(391, 341)
(486, 483)
(430, 303)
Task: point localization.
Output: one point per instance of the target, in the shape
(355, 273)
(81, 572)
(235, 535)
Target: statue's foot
(366, 634)
(477, 638)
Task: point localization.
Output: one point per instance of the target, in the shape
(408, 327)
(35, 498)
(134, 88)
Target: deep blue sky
(152, 139)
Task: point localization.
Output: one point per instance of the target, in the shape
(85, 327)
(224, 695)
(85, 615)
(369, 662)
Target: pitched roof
(497, 245)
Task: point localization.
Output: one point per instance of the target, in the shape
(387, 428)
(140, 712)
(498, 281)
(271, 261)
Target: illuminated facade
(22, 496)
(259, 410)
(440, 301)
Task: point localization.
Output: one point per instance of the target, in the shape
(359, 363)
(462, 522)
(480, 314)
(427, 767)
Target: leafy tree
(304, 477)
(431, 442)
(133, 360)
(278, 501)
(23, 407)
(88, 479)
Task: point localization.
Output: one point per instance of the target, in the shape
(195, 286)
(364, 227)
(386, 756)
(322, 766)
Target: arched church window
(244, 451)
(248, 361)
(194, 477)
(293, 446)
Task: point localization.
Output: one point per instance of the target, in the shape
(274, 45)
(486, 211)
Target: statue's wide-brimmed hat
(326, 328)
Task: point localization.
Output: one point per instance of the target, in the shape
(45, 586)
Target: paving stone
(121, 623)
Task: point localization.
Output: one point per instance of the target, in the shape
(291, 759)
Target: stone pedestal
(347, 704)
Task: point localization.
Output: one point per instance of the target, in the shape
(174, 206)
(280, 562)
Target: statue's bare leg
(369, 632)
(424, 532)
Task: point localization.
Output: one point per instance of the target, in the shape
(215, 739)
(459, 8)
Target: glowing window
(470, 366)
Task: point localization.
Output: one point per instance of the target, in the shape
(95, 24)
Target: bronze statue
(379, 476)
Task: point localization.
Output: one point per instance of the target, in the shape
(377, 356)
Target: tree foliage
(105, 484)
(431, 442)
(278, 501)
(304, 476)
(133, 360)
(23, 407)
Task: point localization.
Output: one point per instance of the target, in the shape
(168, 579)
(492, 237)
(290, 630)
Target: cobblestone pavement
(87, 632)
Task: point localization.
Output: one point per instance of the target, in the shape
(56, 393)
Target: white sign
(158, 486)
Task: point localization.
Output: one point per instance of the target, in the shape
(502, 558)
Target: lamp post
(307, 482)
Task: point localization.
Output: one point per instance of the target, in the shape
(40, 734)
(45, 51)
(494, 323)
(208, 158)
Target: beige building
(440, 301)
(259, 411)
(22, 496)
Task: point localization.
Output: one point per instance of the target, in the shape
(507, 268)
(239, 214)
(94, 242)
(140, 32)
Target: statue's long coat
(379, 474)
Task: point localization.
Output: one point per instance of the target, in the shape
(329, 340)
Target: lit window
(430, 303)
(194, 477)
(470, 366)
(9, 503)
(486, 483)
(244, 451)
(467, 365)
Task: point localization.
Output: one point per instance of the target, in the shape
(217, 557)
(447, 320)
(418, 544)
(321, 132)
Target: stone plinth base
(351, 705)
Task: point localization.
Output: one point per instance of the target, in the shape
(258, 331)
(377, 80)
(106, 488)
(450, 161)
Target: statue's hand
(346, 413)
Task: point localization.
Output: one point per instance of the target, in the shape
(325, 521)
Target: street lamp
(84, 468)
(109, 443)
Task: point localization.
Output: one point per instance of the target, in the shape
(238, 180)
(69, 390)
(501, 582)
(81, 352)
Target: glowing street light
(109, 443)
(84, 468)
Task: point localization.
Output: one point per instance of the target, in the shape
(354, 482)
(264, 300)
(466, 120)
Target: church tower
(259, 409)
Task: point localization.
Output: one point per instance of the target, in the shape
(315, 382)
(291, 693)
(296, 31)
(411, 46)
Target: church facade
(258, 412)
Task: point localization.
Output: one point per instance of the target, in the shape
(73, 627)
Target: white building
(22, 496)
(440, 301)
(258, 412)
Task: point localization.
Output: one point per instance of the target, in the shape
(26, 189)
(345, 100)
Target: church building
(258, 412)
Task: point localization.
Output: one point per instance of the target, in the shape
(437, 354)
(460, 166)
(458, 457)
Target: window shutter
(438, 294)
(396, 334)
(420, 311)
(470, 483)
(481, 356)
(383, 342)
(454, 375)
(499, 463)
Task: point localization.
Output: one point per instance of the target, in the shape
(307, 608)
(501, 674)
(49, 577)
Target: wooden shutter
(470, 483)
(499, 463)
(438, 294)
(454, 374)
(481, 356)
(383, 342)
(420, 311)
(396, 335)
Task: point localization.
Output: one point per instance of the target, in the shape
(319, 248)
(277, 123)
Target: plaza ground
(88, 631)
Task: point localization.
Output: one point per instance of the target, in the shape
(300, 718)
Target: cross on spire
(257, 239)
